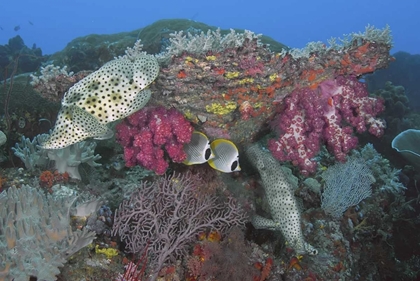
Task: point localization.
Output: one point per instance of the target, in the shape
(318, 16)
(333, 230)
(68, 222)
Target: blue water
(51, 24)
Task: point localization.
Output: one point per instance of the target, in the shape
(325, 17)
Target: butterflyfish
(226, 158)
(198, 150)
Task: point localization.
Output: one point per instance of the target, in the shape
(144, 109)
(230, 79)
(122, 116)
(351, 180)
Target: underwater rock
(28, 59)
(16, 44)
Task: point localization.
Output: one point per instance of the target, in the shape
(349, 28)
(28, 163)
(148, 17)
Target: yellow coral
(221, 109)
(108, 252)
(273, 77)
(246, 81)
(257, 105)
(231, 75)
(211, 58)
(190, 116)
(190, 59)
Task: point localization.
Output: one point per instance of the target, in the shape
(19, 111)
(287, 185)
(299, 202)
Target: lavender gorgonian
(165, 216)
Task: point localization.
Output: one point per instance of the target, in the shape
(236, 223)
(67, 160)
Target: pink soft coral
(148, 132)
(327, 114)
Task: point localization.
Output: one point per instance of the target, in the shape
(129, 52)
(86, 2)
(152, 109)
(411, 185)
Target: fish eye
(234, 165)
(207, 154)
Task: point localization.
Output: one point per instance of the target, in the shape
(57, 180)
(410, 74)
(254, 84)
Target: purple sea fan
(165, 216)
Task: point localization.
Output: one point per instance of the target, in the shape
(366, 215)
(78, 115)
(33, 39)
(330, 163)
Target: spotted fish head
(303, 248)
(310, 250)
(113, 92)
(259, 158)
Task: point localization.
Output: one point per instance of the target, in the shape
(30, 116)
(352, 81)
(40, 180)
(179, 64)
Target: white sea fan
(346, 185)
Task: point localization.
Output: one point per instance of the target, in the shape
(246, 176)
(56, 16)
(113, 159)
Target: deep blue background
(294, 23)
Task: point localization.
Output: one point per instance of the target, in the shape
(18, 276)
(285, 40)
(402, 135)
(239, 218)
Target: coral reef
(29, 114)
(398, 114)
(386, 176)
(229, 259)
(226, 83)
(30, 153)
(68, 159)
(226, 78)
(47, 179)
(92, 51)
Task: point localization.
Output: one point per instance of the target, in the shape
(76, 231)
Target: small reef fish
(31, 23)
(17, 27)
(227, 156)
(1, 28)
(198, 149)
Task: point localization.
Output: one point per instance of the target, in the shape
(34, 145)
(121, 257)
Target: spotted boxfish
(285, 214)
(113, 92)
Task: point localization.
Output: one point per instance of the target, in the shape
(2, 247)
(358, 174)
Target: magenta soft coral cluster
(327, 114)
(146, 133)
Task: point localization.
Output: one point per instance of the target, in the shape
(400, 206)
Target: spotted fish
(113, 92)
(281, 200)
